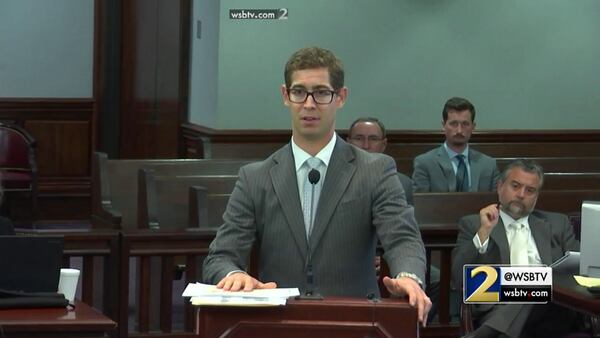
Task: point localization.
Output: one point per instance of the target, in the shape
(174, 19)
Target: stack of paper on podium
(205, 294)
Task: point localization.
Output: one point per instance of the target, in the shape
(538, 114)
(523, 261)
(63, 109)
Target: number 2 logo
(481, 294)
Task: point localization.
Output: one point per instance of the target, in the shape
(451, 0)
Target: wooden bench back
(115, 191)
(583, 164)
(448, 208)
(179, 202)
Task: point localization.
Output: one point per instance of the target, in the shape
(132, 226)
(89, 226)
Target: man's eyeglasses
(320, 96)
(361, 139)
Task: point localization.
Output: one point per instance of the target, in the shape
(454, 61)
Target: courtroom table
(566, 292)
(82, 321)
(332, 317)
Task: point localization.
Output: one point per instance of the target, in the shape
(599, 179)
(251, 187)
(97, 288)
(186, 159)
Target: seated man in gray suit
(454, 166)
(491, 238)
(368, 133)
(315, 208)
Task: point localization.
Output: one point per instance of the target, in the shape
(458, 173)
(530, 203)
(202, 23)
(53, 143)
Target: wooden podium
(331, 317)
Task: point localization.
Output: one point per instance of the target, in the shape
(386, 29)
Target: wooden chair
(18, 167)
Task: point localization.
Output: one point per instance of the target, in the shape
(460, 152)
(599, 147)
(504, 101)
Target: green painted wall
(46, 48)
(525, 64)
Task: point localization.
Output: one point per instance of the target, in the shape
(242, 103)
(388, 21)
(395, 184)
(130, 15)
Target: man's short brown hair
(312, 58)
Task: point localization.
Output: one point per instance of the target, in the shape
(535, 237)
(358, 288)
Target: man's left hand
(405, 286)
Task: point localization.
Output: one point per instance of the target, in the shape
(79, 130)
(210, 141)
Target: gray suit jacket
(433, 172)
(361, 200)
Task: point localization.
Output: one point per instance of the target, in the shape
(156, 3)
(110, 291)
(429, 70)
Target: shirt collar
(508, 220)
(300, 156)
(452, 154)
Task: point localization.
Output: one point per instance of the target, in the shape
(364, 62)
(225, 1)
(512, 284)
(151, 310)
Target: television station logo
(507, 284)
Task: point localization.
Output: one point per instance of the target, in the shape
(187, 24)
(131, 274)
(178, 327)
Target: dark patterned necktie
(462, 178)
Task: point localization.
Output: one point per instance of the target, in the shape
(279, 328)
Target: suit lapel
(475, 172)
(541, 234)
(446, 166)
(285, 184)
(339, 173)
(499, 236)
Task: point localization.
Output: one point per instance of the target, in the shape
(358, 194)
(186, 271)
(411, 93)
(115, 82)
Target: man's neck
(312, 147)
(457, 148)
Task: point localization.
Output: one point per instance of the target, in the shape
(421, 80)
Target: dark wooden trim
(399, 136)
(23, 109)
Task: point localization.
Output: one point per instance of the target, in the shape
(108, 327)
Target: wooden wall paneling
(63, 147)
(154, 77)
(63, 131)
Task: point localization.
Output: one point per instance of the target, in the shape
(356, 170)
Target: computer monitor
(30, 263)
(589, 264)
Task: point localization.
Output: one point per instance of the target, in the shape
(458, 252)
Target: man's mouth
(310, 118)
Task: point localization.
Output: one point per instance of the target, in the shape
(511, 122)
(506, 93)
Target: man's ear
(384, 144)
(284, 95)
(342, 94)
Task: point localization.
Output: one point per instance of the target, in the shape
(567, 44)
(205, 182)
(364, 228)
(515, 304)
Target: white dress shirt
(533, 255)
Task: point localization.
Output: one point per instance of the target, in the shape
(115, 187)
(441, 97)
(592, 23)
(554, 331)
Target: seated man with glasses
(314, 209)
(368, 133)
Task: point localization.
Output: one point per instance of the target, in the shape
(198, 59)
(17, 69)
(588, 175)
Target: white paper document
(205, 294)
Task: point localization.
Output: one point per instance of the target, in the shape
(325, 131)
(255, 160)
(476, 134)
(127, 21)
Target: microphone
(313, 177)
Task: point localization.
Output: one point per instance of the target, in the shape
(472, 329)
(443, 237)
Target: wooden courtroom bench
(503, 149)
(571, 181)
(114, 184)
(561, 164)
(179, 202)
(584, 164)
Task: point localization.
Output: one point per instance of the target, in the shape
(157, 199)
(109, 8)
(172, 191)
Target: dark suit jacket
(6, 227)
(552, 232)
(361, 200)
(553, 235)
(433, 172)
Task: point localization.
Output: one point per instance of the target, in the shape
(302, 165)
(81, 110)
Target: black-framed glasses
(320, 96)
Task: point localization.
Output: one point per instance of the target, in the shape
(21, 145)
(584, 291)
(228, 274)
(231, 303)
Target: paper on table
(587, 281)
(237, 301)
(199, 289)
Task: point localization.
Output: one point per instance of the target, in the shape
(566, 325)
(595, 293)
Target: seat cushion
(16, 180)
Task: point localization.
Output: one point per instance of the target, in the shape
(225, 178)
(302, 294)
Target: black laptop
(30, 263)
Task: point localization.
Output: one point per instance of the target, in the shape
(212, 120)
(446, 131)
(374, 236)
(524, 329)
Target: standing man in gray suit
(512, 232)
(368, 133)
(454, 166)
(324, 243)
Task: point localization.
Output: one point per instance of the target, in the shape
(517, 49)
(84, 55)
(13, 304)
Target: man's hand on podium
(242, 281)
(405, 286)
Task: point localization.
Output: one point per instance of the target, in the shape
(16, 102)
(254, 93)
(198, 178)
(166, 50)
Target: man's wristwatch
(411, 276)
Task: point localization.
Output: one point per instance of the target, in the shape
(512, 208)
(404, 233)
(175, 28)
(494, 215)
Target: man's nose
(310, 102)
